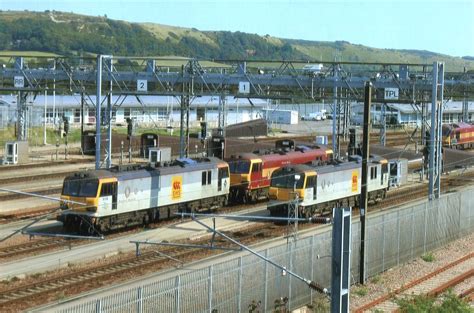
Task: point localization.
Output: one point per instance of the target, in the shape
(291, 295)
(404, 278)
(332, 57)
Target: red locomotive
(458, 135)
(250, 173)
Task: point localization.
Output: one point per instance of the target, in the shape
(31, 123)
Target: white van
(312, 68)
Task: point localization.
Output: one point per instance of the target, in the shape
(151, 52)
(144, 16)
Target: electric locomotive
(134, 195)
(458, 135)
(250, 173)
(318, 189)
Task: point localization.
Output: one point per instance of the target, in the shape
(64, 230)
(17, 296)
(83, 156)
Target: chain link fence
(247, 283)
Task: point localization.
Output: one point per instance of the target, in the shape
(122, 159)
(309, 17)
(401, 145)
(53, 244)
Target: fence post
(139, 300)
(426, 217)
(209, 289)
(98, 306)
(289, 277)
(239, 295)
(312, 268)
(383, 243)
(398, 239)
(412, 231)
(265, 291)
(178, 292)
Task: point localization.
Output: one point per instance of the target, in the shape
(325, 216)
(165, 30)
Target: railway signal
(129, 128)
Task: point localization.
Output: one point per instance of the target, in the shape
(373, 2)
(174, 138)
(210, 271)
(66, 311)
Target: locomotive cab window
(110, 189)
(239, 167)
(80, 187)
(373, 172)
(311, 182)
(256, 167)
(206, 178)
(384, 171)
(222, 173)
(107, 190)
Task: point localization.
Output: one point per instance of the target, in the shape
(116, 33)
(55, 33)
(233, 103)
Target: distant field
(5, 56)
(28, 53)
(164, 61)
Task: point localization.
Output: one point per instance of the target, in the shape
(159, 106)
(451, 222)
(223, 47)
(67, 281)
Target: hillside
(74, 34)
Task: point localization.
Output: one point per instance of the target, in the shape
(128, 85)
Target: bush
(422, 303)
(361, 291)
(428, 257)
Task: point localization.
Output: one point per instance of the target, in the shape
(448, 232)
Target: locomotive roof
(462, 125)
(244, 156)
(297, 168)
(320, 169)
(140, 171)
(301, 149)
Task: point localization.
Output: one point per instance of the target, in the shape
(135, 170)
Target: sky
(441, 26)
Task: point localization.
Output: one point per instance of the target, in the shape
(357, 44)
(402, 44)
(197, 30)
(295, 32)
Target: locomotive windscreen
(446, 129)
(80, 187)
(285, 179)
(239, 167)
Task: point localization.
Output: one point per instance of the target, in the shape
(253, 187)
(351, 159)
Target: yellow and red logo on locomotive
(176, 187)
(355, 178)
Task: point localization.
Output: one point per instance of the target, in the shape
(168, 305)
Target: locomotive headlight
(92, 209)
(63, 205)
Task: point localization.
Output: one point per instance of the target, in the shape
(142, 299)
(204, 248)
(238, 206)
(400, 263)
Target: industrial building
(147, 111)
(164, 111)
(408, 114)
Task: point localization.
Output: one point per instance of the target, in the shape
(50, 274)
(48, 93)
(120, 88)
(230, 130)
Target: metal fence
(248, 282)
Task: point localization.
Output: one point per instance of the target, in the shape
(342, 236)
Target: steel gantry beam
(435, 151)
(339, 82)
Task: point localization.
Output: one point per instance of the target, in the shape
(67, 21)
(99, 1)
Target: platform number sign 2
(19, 81)
(176, 187)
(142, 85)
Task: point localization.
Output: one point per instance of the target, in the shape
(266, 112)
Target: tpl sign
(391, 94)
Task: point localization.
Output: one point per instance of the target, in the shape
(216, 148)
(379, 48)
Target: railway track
(24, 296)
(432, 284)
(24, 179)
(8, 253)
(43, 192)
(7, 168)
(31, 246)
(24, 215)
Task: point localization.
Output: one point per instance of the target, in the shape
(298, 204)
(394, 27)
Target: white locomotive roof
(136, 172)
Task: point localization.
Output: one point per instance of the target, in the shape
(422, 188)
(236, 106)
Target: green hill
(74, 34)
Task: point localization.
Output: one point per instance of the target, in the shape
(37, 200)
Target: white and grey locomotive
(133, 195)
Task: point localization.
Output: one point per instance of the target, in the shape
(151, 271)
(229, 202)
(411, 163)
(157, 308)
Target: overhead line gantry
(185, 79)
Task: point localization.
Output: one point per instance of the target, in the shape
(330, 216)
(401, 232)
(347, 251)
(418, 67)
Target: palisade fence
(248, 282)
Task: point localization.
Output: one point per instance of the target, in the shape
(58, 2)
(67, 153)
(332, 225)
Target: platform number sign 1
(142, 85)
(244, 87)
(19, 81)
